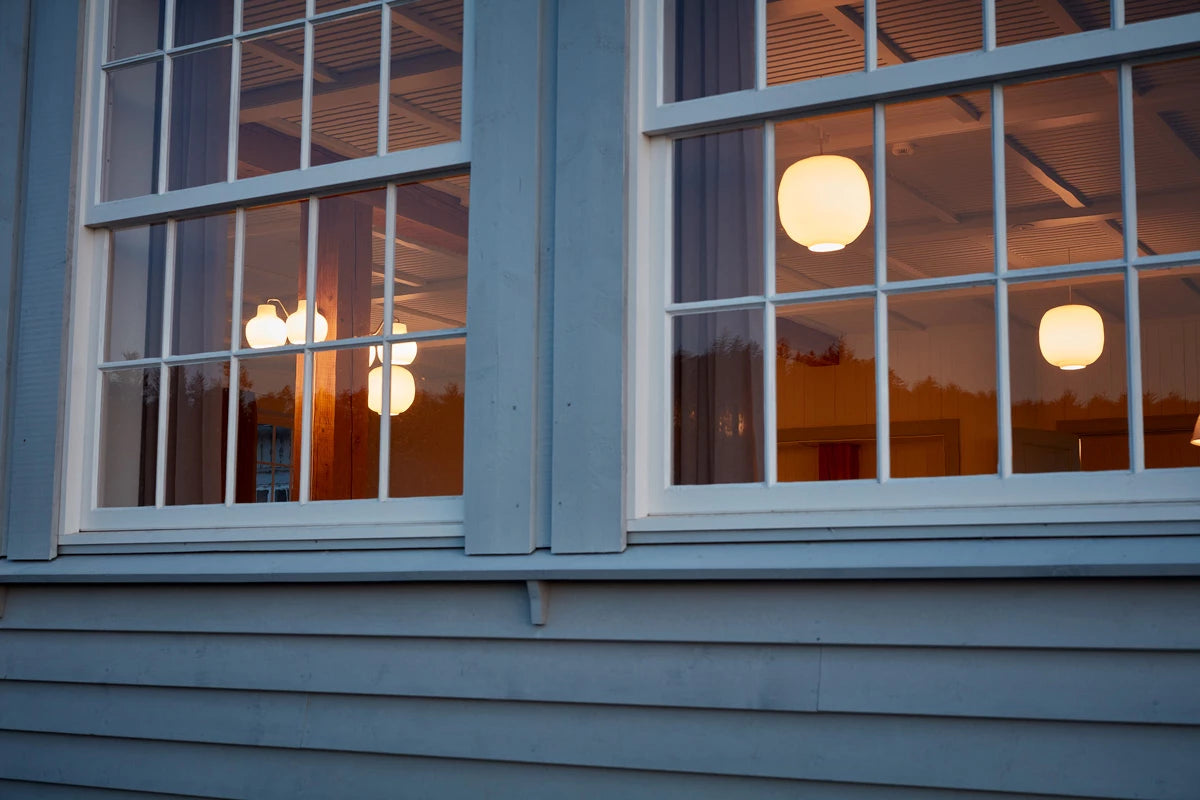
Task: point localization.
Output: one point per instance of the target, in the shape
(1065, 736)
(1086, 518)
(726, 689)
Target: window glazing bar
(1000, 258)
(310, 293)
(164, 373)
(770, 417)
(389, 295)
(871, 35)
(306, 96)
(882, 384)
(760, 44)
(1129, 220)
(989, 25)
(385, 90)
(231, 428)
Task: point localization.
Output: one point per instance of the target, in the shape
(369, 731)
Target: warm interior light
(404, 389)
(1196, 433)
(266, 329)
(403, 353)
(295, 325)
(824, 202)
(1071, 336)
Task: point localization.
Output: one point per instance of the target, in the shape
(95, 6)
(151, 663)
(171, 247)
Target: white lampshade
(824, 202)
(295, 325)
(403, 353)
(404, 389)
(1071, 336)
(266, 329)
(1196, 433)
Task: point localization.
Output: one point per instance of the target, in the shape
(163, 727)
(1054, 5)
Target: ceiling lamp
(824, 202)
(266, 329)
(295, 325)
(1071, 336)
(403, 353)
(404, 389)
(1196, 433)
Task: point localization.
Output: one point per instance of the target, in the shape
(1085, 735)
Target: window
(275, 252)
(902, 262)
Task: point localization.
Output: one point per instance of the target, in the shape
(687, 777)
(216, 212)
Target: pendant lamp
(1071, 336)
(295, 325)
(1196, 433)
(404, 390)
(266, 329)
(403, 353)
(824, 202)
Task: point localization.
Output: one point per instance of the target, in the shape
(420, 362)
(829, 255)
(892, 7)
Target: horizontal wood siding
(938, 689)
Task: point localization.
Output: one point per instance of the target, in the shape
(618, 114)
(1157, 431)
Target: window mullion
(1000, 259)
(760, 44)
(870, 35)
(164, 371)
(1133, 337)
(989, 25)
(879, 210)
(389, 294)
(770, 435)
(235, 94)
(310, 293)
(235, 335)
(385, 92)
(306, 94)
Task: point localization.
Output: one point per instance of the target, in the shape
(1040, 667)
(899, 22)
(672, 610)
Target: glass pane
(1143, 10)
(824, 232)
(273, 269)
(135, 293)
(426, 74)
(805, 40)
(128, 437)
(200, 20)
(131, 131)
(718, 216)
(1071, 414)
(1166, 137)
(942, 371)
(709, 48)
(199, 118)
(916, 29)
(333, 5)
(1063, 171)
(825, 391)
(431, 255)
(197, 416)
(203, 284)
(939, 187)
(135, 28)
(1170, 305)
(717, 398)
(270, 111)
(268, 463)
(260, 13)
(426, 451)
(1026, 20)
(345, 432)
(345, 124)
(349, 264)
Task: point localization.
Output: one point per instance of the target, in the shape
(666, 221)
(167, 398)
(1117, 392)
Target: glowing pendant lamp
(265, 329)
(1196, 433)
(403, 353)
(1071, 336)
(404, 389)
(824, 202)
(295, 325)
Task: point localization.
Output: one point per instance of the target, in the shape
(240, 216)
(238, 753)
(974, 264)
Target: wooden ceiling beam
(289, 59)
(436, 123)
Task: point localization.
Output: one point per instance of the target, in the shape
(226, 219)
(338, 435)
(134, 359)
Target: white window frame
(353, 523)
(845, 510)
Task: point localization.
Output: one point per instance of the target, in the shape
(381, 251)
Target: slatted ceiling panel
(1067, 244)
(809, 46)
(355, 125)
(931, 28)
(348, 43)
(1142, 10)
(1023, 21)
(1086, 156)
(1172, 232)
(259, 13)
(953, 256)
(408, 44)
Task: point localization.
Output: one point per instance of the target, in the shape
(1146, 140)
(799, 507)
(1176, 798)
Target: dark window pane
(135, 27)
(199, 118)
(199, 20)
(825, 391)
(197, 417)
(709, 48)
(128, 437)
(426, 74)
(270, 111)
(1170, 307)
(203, 284)
(426, 450)
(131, 131)
(1071, 414)
(345, 432)
(717, 397)
(135, 293)
(718, 216)
(805, 41)
(268, 412)
(345, 54)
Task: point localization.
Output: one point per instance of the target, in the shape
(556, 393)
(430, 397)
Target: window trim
(657, 507)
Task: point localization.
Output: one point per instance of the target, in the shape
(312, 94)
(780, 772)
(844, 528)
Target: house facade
(944, 543)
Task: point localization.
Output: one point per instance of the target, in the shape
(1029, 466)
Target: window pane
(260, 13)
(939, 187)
(199, 118)
(349, 264)
(1170, 305)
(128, 437)
(717, 398)
(806, 41)
(1026, 20)
(197, 416)
(135, 28)
(709, 48)
(718, 216)
(942, 370)
(345, 432)
(346, 53)
(824, 232)
(825, 391)
(431, 255)
(333, 5)
(911, 30)
(135, 293)
(270, 111)
(200, 20)
(203, 284)
(426, 450)
(131, 131)
(273, 269)
(1166, 136)
(268, 465)
(1069, 417)
(1063, 171)
(1142, 10)
(426, 74)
